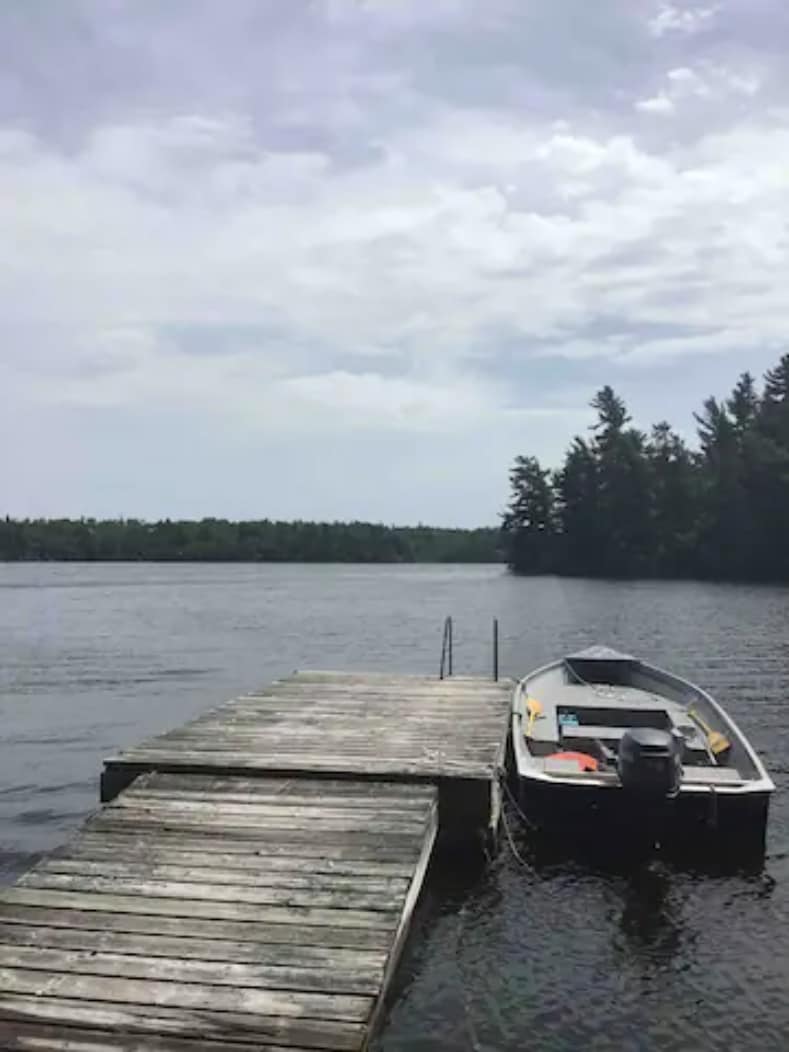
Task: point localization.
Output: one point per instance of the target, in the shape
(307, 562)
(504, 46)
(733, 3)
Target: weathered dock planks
(450, 733)
(251, 881)
(198, 913)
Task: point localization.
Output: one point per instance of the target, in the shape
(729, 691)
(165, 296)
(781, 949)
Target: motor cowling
(650, 762)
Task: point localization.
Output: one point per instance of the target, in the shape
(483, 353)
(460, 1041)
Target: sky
(329, 259)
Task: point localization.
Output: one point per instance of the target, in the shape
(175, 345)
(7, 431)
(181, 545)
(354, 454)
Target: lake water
(563, 955)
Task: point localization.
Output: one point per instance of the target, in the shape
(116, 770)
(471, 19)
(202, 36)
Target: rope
(598, 688)
(515, 853)
(523, 817)
(579, 678)
(526, 821)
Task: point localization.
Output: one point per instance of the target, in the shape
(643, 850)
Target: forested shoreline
(219, 540)
(624, 503)
(630, 504)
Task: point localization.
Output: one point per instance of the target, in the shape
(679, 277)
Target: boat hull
(691, 822)
(587, 702)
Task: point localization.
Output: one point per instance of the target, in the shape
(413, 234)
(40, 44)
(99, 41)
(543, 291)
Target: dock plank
(27, 1037)
(283, 839)
(185, 852)
(210, 909)
(346, 899)
(325, 977)
(226, 1028)
(375, 792)
(158, 993)
(308, 879)
(195, 947)
(296, 817)
(243, 931)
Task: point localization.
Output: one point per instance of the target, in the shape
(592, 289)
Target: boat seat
(711, 776)
(591, 731)
(693, 744)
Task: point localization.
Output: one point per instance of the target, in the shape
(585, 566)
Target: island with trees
(629, 504)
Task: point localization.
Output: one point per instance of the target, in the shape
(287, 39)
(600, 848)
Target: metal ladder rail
(447, 655)
(446, 650)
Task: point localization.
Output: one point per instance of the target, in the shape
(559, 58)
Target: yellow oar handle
(717, 741)
(695, 716)
(534, 709)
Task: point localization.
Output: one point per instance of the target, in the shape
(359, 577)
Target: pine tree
(624, 491)
(577, 488)
(774, 414)
(529, 522)
(769, 468)
(675, 485)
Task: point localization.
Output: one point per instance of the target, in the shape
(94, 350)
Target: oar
(717, 742)
(534, 709)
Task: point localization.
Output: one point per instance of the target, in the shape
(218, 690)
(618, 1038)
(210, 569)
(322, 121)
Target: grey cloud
(220, 338)
(337, 84)
(579, 51)
(286, 355)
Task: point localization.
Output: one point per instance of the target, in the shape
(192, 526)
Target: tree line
(219, 540)
(629, 504)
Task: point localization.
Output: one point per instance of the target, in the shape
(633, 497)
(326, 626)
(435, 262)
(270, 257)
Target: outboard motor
(650, 763)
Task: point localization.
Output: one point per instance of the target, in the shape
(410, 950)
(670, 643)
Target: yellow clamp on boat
(717, 742)
(534, 709)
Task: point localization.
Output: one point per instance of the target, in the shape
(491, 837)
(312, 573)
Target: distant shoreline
(249, 541)
(131, 560)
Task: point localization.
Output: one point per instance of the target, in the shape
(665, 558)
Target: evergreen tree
(769, 463)
(726, 526)
(743, 405)
(577, 487)
(675, 502)
(612, 417)
(529, 522)
(624, 500)
(774, 410)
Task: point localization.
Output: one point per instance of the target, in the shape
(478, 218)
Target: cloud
(739, 83)
(388, 222)
(686, 81)
(684, 20)
(281, 252)
(710, 83)
(657, 104)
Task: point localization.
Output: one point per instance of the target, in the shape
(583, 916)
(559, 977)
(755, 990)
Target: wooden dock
(450, 733)
(251, 883)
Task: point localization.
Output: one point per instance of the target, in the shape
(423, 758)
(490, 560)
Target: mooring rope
(510, 796)
(526, 822)
(515, 853)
